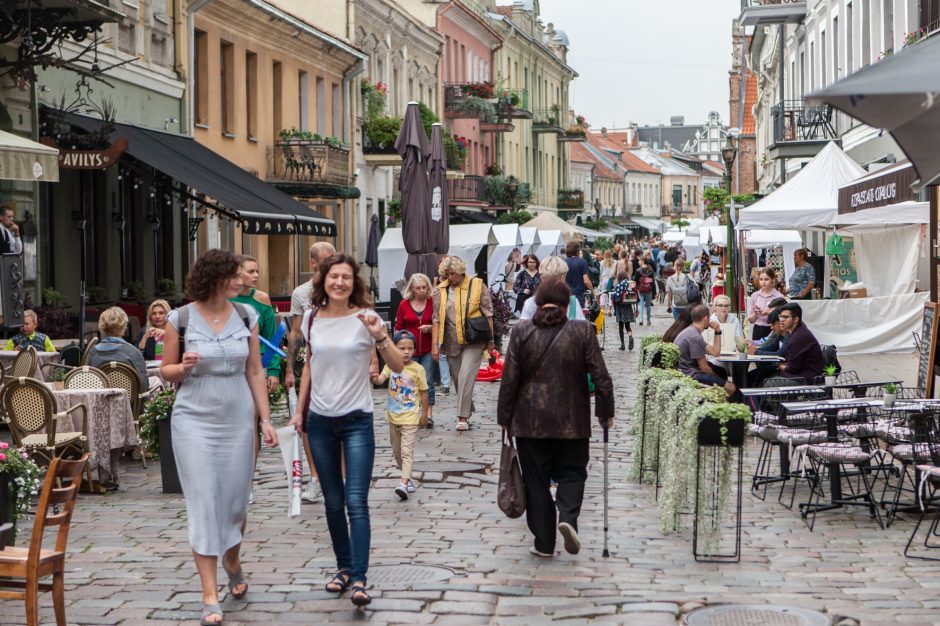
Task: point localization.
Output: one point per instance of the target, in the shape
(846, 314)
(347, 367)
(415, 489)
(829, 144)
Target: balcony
(307, 167)
(570, 199)
(800, 130)
(469, 189)
(546, 121)
(518, 101)
(572, 134)
(763, 12)
(378, 142)
(501, 122)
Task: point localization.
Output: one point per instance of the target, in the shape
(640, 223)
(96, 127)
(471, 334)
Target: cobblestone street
(448, 556)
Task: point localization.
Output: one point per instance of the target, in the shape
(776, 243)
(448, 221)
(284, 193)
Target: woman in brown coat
(545, 403)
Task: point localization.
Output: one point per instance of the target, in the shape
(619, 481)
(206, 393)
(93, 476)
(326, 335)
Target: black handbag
(475, 329)
(510, 494)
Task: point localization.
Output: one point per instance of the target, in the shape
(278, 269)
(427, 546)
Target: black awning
(262, 209)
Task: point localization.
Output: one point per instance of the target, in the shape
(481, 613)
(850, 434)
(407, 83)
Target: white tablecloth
(7, 357)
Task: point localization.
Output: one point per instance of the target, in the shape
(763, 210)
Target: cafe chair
(22, 569)
(26, 364)
(901, 446)
(123, 376)
(30, 410)
(88, 348)
(926, 426)
(85, 377)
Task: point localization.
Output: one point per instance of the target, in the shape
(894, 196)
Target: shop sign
(883, 190)
(88, 159)
(842, 268)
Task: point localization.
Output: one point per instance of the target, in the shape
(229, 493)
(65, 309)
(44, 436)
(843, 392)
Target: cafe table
(740, 363)
(110, 425)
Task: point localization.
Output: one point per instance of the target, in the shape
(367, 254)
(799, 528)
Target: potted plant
(478, 107)
(99, 295)
(890, 394)
(19, 481)
(830, 372)
(166, 288)
(157, 437)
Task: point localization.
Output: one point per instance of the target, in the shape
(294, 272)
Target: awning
(22, 159)
(262, 209)
(652, 225)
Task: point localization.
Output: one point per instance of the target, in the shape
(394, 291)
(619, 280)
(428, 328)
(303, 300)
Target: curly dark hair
(210, 271)
(360, 298)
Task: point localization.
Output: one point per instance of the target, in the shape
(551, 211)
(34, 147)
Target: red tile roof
(628, 161)
(580, 154)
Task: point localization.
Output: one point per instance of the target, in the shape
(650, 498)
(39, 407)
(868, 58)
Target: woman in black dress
(527, 280)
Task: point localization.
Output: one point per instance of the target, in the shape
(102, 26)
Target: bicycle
(594, 313)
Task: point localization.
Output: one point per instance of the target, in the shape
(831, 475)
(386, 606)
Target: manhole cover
(755, 615)
(449, 468)
(408, 573)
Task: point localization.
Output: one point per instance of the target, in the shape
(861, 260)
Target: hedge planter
(709, 433)
(171, 479)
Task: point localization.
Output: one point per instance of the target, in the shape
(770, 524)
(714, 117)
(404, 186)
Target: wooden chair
(86, 377)
(30, 409)
(123, 376)
(22, 568)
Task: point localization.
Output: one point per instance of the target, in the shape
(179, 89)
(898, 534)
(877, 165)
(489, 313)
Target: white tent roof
(809, 199)
(508, 238)
(466, 241)
(756, 238)
(696, 229)
(570, 232)
(673, 236)
(530, 239)
(892, 214)
(550, 242)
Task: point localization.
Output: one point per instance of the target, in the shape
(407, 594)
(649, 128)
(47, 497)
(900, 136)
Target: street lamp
(728, 154)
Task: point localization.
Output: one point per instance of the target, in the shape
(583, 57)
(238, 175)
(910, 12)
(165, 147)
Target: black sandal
(359, 595)
(340, 582)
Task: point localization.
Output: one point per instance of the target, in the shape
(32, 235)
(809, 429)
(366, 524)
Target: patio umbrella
(415, 150)
(439, 226)
(900, 94)
(372, 254)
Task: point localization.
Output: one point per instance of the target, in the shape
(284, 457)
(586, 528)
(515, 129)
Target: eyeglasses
(785, 317)
(723, 306)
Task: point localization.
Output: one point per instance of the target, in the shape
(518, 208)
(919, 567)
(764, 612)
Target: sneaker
(544, 555)
(572, 543)
(462, 426)
(313, 492)
(401, 491)
(641, 322)
(412, 485)
(251, 497)
(445, 390)
(430, 423)
(630, 344)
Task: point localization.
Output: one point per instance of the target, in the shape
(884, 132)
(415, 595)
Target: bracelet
(267, 421)
(383, 344)
(718, 333)
(381, 339)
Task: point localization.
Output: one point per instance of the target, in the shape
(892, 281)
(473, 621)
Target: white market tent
(789, 240)
(466, 242)
(673, 236)
(570, 232)
(530, 239)
(893, 214)
(808, 200)
(550, 242)
(508, 238)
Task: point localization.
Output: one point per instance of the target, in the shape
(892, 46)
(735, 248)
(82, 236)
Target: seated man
(803, 354)
(693, 350)
(29, 336)
(774, 344)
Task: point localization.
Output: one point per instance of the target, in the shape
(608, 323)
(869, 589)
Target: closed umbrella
(439, 226)
(900, 94)
(415, 150)
(372, 253)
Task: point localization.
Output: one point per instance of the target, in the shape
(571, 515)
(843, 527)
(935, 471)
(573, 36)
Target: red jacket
(408, 319)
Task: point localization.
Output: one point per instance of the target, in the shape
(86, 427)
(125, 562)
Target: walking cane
(606, 553)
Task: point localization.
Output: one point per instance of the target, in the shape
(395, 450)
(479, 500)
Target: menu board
(928, 349)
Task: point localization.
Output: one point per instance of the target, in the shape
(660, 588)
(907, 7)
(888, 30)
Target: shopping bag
(510, 494)
(289, 443)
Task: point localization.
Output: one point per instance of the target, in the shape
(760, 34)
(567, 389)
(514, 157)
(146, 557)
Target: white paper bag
(290, 445)
(292, 401)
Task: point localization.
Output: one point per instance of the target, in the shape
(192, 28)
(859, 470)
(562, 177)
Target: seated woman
(152, 333)
(721, 313)
(684, 321)
(113, 325)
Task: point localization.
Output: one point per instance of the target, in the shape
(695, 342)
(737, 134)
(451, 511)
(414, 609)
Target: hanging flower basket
(712, 432)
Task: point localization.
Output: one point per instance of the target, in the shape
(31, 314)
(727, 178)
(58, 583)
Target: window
(866, 32)
(201, 78)
(802, 75)
(849, 41)
(837, 71)
(822, 58)
(303, 100)
(251, 94)
(277, 86)
(812, 65)
(338, 113)
(321, 106)
(888, 20)
(227, 87)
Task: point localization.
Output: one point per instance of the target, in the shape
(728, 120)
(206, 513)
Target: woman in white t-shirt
(342, 333)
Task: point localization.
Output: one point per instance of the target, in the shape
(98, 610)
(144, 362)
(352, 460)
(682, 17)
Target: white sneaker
(412, 485)
(401, 491)
(313, 492)
(544, 555)
(251, 497)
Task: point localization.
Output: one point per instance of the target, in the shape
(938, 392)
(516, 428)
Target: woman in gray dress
(221, 388)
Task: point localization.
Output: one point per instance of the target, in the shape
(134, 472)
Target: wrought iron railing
(762, 3)
(549, 118)
(794, 120)
(306, 160)
(570, 199)
(466, 189)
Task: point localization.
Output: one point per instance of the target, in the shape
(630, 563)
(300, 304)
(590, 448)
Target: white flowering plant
(23, 476)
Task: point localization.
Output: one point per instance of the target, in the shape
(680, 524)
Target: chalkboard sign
(928, 349)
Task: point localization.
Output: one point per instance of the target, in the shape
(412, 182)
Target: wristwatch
(717, 333)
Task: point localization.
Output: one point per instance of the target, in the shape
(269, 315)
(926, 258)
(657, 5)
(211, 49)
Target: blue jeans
(676, 312)
(427, 363)
(646, 304)
(445, 372)
(331, 439)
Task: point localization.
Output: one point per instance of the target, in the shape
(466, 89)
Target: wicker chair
(88, 348)
(30, 409)
(123, 376)
(22, 568)
(25, 365)
(86, 377)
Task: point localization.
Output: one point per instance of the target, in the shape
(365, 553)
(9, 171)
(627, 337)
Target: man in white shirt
(10, 242)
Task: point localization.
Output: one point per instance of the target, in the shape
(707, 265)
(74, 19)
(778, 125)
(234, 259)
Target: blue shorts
(709, 379)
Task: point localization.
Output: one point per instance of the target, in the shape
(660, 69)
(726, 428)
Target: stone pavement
(448, 556)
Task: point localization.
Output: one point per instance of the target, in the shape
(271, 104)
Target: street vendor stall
(508, 238)
(550, 242)
(530, 239)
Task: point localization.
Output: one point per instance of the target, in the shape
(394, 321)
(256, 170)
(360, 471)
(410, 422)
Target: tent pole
(933, 192)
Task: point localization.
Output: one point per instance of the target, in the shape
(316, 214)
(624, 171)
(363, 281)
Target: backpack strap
(243, 313)
(182, 320)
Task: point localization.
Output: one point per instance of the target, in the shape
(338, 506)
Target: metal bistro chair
(30, 409)
(926, 427)
(22, 568)
(26, 364)
(88, 348)
(123, 376)
(86, 377)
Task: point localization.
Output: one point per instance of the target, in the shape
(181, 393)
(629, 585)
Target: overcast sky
(646, 60)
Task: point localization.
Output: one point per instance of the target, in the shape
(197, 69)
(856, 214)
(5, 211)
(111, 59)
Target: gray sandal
(209, 610)
(235, 579)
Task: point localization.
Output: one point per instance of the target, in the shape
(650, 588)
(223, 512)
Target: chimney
(631, 134)
(604, 131)
(677, 120)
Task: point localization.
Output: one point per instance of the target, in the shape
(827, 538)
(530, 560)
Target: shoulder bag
(510, 493)
(306, 405)
(475, 329)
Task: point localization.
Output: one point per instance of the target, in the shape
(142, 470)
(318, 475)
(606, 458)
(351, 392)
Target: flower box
(709, 433)
(168, 473)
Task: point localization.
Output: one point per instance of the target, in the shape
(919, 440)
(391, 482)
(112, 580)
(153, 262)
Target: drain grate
(405, 573)
(755, 615)
(449, 468)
